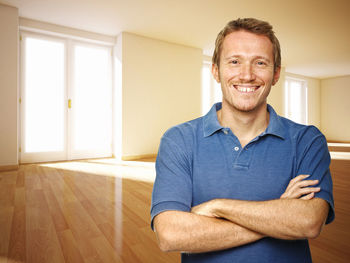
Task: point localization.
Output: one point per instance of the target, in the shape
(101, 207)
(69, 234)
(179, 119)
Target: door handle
(69, 104)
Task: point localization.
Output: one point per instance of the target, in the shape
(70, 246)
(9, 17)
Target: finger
(296, 180)
(308, 197)
(299, 178)
(306, 183)
(302, 185)
(300, 192)
(308, 190)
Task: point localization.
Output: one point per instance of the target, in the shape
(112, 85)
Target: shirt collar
(275, 126)
(211, 123)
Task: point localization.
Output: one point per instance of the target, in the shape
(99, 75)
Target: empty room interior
(88, 88)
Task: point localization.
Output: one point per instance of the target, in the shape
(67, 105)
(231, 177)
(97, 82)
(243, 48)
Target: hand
(300, 188)
(205, 209)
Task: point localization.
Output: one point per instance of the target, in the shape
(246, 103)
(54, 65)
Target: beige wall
(161, 87)
(335, 110)
(314, 102)
(8, 85)
(275, 98)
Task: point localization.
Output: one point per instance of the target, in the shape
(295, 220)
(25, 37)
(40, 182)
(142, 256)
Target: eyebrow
(254, 57)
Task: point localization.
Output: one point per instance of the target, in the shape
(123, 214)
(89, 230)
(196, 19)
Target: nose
(247, 73)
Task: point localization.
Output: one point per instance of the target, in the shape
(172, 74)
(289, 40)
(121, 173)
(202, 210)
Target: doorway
(66, 99)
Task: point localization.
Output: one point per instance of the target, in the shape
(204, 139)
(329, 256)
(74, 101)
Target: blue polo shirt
(200, 160)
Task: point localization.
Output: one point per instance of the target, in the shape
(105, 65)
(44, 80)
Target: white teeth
(246, 89)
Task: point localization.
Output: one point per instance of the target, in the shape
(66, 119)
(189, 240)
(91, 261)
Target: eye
(261, 63)
(235, 61)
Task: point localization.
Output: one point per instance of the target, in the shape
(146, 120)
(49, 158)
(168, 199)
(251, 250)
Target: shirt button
(236, 148)
(225, 131)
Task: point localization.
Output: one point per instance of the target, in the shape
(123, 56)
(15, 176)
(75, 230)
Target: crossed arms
(225, 223)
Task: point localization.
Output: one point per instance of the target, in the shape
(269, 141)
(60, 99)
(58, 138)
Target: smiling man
(242, 184)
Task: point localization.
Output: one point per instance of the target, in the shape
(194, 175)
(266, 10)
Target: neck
(245, 125)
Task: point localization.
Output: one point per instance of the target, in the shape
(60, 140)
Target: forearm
(282, 218)
(188, 232)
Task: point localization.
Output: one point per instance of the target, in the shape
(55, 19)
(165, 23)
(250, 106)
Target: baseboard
(138, 157)
(333, 141)
(6, 168)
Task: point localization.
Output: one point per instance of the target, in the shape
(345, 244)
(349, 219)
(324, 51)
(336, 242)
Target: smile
(245, 89)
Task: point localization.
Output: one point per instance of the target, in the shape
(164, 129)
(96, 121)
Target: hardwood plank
(105, 251)
(42, 243)
(20, 178)
(6, 214)
(69, 247)
(17, 243)
(32, 179)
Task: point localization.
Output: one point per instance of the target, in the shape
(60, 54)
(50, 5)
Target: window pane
(92, 98)
(211, 90)
(44, 95)
(217, 91)
(296, 100)
(206, 94)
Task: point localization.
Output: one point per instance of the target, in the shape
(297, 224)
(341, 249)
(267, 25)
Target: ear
(215, 72)
(276, 76)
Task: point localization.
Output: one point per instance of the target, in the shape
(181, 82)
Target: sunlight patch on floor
(139, 171)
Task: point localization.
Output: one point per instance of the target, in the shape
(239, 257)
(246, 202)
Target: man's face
(246, 70)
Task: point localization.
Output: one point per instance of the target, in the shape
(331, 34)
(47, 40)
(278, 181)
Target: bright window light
(296, 100)
(211, 90)
(44, 95)
(92, 101)
(206, 100)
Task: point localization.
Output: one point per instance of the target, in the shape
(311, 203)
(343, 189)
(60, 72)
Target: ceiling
(314, 34)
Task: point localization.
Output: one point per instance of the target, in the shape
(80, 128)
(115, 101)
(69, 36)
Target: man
(242, 184)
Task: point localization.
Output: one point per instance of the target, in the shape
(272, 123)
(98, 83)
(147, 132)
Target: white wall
(161, 87)
(58, 30)
(8, 85)
(335, 108)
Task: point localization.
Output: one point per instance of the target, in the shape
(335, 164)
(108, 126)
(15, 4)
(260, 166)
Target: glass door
(66, 91)
(43, 99)
(91, 102)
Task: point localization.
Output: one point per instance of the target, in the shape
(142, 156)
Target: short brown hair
(251, 25)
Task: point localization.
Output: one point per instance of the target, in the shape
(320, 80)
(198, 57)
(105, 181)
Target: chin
(248, 107)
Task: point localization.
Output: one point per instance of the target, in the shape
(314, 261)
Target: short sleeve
(314, 159)
(172, 188)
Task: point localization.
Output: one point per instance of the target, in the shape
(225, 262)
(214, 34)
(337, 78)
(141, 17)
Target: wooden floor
(333, 245)
(98, 211)
(78, 212)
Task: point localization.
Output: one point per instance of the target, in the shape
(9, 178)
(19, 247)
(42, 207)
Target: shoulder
(184, 133)
(177, 144)
(300, 132)
(307, 141)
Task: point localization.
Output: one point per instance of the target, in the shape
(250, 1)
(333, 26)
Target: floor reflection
(79, 211)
